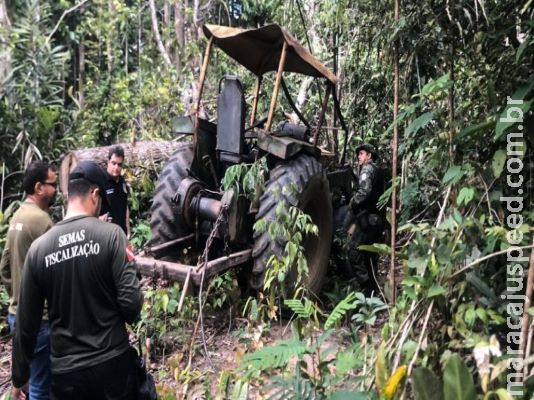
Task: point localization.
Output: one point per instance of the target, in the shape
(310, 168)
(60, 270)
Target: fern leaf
(274, 356)
(302, 310)
(340, 310)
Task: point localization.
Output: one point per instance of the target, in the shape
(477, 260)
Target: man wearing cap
(368, 217)
(29, 222)
(83, 271)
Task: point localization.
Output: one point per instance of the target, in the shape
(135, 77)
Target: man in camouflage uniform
(369, 220)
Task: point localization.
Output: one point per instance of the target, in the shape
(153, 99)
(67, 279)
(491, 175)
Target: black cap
(368, 148)
(92, 172)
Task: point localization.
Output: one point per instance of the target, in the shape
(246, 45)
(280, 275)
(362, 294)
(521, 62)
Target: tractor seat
(231, 111)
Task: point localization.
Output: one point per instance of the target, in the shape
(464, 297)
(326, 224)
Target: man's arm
(129, 295)
(5, 266)
(28, 321)
(128, 230)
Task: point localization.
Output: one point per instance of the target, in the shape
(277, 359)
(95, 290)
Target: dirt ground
(224, 349)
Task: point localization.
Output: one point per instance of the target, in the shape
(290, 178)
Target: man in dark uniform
(116, 209)
(82, 268)
(369, 220)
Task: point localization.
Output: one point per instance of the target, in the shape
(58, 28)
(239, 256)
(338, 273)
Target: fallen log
(138, 153)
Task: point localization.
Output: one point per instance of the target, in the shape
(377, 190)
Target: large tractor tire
(163, 222)
(306, 187)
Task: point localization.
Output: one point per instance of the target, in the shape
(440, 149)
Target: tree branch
(65, 13)
(161, 47)
(479, 260)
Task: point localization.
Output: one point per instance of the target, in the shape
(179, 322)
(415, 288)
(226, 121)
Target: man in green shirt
(82, 269)
(28, 223)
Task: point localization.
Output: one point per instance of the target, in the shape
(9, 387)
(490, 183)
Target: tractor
(192, 215)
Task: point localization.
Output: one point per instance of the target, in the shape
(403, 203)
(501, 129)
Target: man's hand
(105, 217)
(19, 393)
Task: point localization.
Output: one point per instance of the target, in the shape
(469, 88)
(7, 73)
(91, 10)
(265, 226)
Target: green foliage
(246, 179)
(368, 309)
(139, 104)
(31, 99)
(159, 314)
(457, 382)
(273, 356)
(344, 306)
(140, 234)
(291, 226)
(302, 310)
(469, 52)
(223, 289)
(301, 367)
(426, 385)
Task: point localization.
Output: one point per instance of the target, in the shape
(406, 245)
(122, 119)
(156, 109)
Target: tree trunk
(5, 51)
(302, 97)
(166, 25)
(450, 100)
(109, 36)
(394, 148)
(179, 29)
(139, 153)
(179, 22)
(81, 73)
(157, 36)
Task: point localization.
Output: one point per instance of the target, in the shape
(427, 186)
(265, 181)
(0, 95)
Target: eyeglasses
(53, 184)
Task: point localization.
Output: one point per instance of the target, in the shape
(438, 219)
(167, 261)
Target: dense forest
(445, 90)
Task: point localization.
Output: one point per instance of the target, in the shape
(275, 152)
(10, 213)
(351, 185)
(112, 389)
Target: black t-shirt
(117, 195)
(82, 268)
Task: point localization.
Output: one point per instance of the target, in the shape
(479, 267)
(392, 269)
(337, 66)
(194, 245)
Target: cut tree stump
(144, 152)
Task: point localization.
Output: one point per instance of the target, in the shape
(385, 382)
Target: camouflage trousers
(365, 228)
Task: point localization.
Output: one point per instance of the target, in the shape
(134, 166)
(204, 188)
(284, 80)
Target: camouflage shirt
(370, 188)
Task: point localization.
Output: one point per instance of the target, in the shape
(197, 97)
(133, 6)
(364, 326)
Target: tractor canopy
(259, 50)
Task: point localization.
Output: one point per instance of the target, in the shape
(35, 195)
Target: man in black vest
(369, 219)
(116, 210)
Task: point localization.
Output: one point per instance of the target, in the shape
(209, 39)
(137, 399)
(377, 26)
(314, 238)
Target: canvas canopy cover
(259, 50)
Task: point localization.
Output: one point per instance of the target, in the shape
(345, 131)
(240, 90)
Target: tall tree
(5, 50)
(394, 148)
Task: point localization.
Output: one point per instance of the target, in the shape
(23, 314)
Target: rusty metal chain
(203, 258)
(203, 261)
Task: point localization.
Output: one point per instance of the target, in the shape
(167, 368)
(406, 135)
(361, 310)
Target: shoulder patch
(364, 176)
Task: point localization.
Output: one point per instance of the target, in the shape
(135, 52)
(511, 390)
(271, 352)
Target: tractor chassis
(148, 265)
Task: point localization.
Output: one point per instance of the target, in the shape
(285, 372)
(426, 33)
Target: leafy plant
(457, 382)
(140, 234)
(368, 309)
(291, 226)
(246, 179)
(341, 309)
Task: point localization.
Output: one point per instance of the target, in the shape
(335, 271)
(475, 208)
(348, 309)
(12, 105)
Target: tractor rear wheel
(163, 222)
(306, 187)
